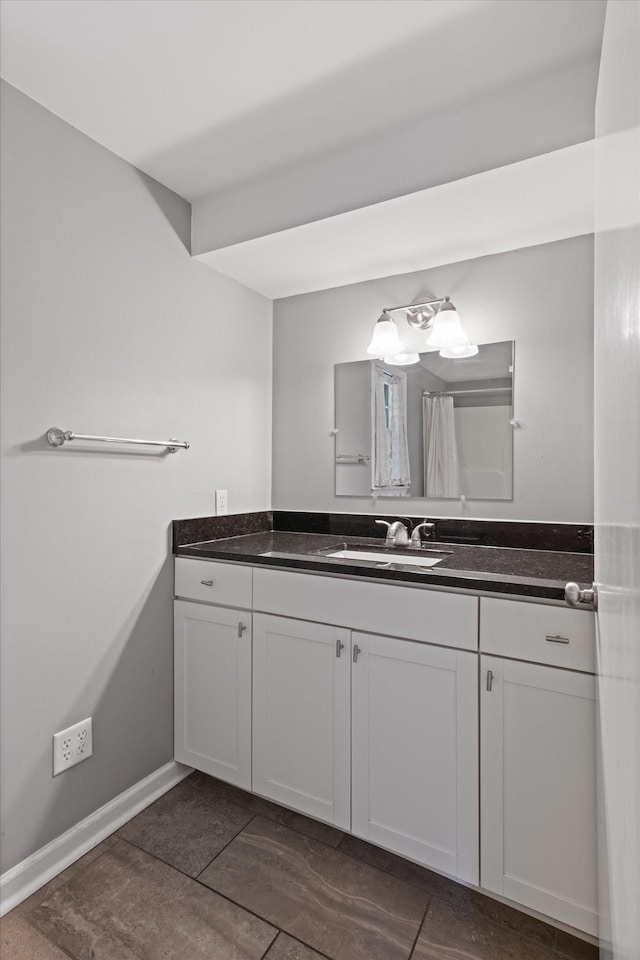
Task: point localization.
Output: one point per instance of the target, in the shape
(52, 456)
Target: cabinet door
(212, 677)
(301, 725)
(415, 751)
(538, 789)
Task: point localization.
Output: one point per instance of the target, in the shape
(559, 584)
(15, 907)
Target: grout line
(294, 813)
(258, 916)
(155, 856)
(200, 883)
(417, 936)
(234, 837)
(265, 954)
(325, 956)
(179, 869)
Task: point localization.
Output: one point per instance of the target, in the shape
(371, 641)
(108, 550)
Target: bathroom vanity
(451, 724)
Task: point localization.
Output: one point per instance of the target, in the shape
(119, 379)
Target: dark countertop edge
(462, 580)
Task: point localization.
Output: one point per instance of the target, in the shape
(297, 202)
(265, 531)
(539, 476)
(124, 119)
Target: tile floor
(209, 872)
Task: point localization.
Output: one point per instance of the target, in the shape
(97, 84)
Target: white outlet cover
(222, 503)
(72, 746)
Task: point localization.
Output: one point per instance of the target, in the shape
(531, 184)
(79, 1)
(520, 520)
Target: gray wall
(108, 327)
(541, 297)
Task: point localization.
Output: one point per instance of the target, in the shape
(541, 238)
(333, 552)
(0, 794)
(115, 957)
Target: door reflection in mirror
(391, 474)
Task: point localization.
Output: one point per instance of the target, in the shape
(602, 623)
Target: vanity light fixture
(446, 328)
(386, 339)
(439, 316)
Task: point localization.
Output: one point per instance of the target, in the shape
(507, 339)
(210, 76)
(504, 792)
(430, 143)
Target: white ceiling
(204, 94)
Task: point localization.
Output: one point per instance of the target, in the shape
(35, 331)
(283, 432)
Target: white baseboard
(29, 875)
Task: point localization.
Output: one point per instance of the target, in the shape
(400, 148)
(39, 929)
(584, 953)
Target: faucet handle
(416, 537)
(391, 532)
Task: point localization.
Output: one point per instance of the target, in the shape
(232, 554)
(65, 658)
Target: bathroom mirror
(438, 429)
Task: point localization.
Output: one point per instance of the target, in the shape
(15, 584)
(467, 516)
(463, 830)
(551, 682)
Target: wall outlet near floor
(72, 746)
(222, 503)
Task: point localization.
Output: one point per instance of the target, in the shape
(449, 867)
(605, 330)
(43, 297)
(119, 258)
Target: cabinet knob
(241, 628)
(489, 680)
(356, 651)
(339, 648)
(207, 583)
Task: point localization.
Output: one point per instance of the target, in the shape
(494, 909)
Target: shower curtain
(441, 469)
(390, 469)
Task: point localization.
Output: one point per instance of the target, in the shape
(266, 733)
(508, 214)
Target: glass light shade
(447, 329)
(386, 339)
(458, 353)
(402, 359)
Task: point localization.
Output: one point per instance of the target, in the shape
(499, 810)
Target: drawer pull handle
(557, 639)
(207, 583)
(356, 651)
(241, 628)
(339, 648)
(489, 680)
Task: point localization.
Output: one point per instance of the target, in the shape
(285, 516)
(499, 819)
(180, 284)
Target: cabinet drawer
(226, 583)
(557, 636)
(427, 615)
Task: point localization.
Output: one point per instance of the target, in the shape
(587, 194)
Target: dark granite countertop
(527, 573)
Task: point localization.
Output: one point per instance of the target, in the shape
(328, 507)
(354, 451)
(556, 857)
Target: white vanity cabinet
(400, 716)
(359, 703)
(373, 734)
(538, 749)
(415, 751)
(212, 671)
(301, 716)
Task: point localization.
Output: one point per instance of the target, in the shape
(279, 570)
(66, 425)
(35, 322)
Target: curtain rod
(459, 393)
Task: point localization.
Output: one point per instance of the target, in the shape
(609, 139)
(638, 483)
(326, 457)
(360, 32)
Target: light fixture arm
(417, 306)
(414, 315)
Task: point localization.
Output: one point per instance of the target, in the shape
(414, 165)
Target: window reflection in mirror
(438, 429)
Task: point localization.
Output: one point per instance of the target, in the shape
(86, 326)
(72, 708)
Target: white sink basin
(416, 559)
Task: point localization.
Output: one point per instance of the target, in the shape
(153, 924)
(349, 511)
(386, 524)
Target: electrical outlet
(222, 503)
(72, 745)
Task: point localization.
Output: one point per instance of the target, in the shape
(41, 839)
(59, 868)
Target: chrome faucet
(416, 536)
(397, 534)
